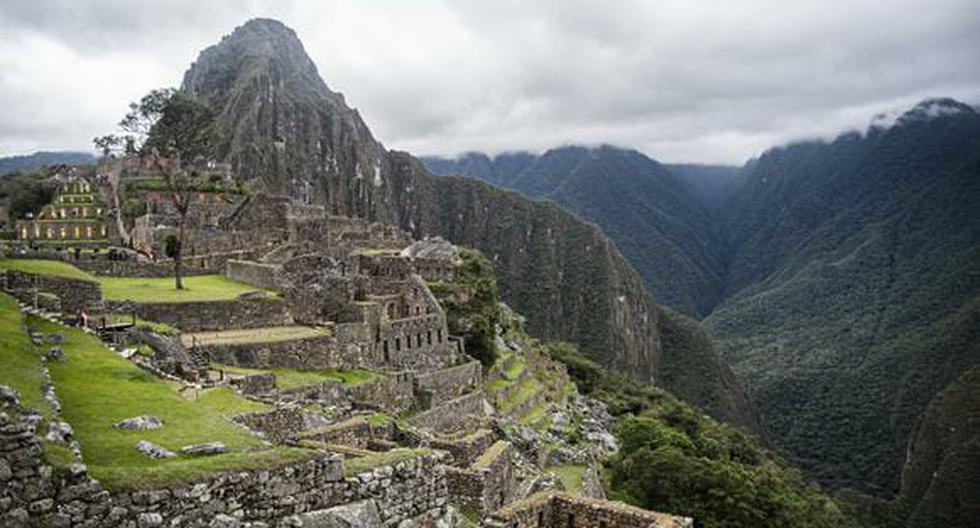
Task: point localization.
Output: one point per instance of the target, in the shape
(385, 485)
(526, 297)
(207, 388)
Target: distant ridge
(40, 159)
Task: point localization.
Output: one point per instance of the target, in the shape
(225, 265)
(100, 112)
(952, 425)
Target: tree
(176, 134)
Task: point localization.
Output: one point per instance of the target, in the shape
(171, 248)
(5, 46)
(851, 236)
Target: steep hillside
(939, 483)
(847, 273)
(286, 129)
(855, 288)
(656, 219)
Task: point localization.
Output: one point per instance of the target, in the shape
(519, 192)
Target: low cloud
(679, 80)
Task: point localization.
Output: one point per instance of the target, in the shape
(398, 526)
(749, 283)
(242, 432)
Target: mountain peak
(257, 47)
(925, 110)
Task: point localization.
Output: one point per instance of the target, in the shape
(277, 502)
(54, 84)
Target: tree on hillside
(177, 135)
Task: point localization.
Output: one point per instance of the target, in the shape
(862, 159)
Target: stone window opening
(408, 342)
(439, 335)
(429, 336)
(398, 344)
(571, 521)
(387, 356)
(419, 342)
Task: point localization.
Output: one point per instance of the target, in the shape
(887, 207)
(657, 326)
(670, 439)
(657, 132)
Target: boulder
(140, 423)
(256, 294)
(55, 354)
(56, 338)
(212, 448)
(153, 451)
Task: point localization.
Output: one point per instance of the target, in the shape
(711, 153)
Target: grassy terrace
(52, 268)
(289, 378)
(20, 361)
(98, 388)
(161, 290)
(571, 476)
(254, 335)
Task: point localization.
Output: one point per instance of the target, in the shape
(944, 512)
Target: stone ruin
(357, 295)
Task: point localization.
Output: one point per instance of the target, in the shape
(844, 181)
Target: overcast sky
(682, 81)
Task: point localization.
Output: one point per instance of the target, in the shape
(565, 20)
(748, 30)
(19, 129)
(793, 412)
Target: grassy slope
(20, 361)
(98, 388)
(54, 268)
(161, 290)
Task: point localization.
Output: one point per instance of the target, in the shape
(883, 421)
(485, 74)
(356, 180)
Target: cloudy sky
(707, 81)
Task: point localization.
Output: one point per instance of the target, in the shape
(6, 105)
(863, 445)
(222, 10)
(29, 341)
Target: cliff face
(940, 483)
(286, 129)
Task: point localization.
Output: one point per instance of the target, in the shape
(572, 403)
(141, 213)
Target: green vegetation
(384, 458)
(53, 268)
(227, 402)
(674, 458)
(291, 378)
(20, 361)
(161, 290)
(472, 305)
(98, 388)
(571, 476)
(25, 192)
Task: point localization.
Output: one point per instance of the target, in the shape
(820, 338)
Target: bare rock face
(153, 451)
(431, 248)
(140, 423)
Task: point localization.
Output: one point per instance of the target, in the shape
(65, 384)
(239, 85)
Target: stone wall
(416, 343)
(346, 349)
(280, 425)
(564, 510)
(465, 448)
(32, 493)
(254, 273)
(393, 394)
(353, 432)
(209, 316)
(453, 415)
(74, 294)
(488, 484)
(453, 382)
(401, 491)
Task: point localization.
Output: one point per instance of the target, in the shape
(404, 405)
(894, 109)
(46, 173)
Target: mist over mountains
(840, 278)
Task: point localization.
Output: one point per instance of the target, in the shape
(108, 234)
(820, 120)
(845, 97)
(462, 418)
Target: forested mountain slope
(655, 218)
(849, 272)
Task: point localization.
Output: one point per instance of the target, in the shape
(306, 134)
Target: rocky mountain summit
(286, 131)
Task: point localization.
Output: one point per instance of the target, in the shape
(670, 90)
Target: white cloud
(680, 80)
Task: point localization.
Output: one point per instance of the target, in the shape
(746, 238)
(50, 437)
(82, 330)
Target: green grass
(490, 454)
(529, 388)
(20, 361)
(161, 290)
(515, 369)
(535, 414)
(571, 476)
(51, 268)
(290, 378)
(98, 388)
(385, 458)
(227, 402)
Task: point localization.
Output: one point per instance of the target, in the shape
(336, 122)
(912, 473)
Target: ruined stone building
(76, 217)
